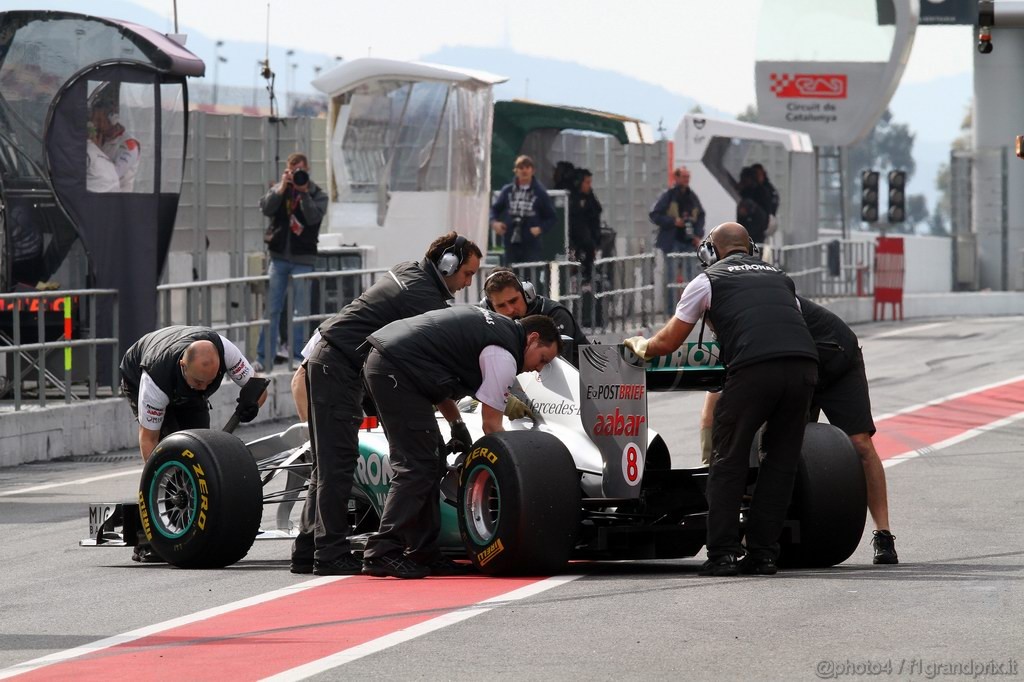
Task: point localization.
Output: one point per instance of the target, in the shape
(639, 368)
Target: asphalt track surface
(948, 396)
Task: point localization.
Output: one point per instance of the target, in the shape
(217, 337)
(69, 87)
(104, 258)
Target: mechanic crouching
(771, 370)
(335, 392)
(418, 363)
(168, 377)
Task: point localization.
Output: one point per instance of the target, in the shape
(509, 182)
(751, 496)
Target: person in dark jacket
(521, 214)
(752, 211)
(584, 222)
(335, 392)
(415, 364)
(506, 294)
(680, 219)
(771, 370)
(296, 207)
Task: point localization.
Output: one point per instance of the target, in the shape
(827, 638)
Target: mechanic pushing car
(168, 377)
(842, 394)
(335, 393)
(771, 370)
(505, 293)
(420, 362)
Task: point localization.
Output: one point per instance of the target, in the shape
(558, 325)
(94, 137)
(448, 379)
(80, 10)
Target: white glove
(517, 409)
(638, 345)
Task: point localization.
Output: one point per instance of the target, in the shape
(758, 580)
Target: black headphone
(708, 254)
(527, 289)
(452, 257)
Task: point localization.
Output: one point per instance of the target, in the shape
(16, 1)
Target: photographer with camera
(296, 207)
(680, 220)
(521, 214)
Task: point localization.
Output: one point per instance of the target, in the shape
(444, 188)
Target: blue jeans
(280, 272)
(679, 271)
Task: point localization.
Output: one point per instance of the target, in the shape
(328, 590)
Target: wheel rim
(482, 506)
(172, 499)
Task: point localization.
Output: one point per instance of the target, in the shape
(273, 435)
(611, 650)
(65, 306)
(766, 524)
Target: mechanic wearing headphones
(415, 364)
(335, 393)
(771, 369)
(168, 377)
(506, 294)
(842, 394)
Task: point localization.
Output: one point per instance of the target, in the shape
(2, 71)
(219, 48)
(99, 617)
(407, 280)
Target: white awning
(349, 74)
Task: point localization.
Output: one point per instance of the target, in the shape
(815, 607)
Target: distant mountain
(559, 82)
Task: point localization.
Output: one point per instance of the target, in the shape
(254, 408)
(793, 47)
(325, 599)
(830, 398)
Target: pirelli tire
(829, 501)
(519, 504)
(201, 499)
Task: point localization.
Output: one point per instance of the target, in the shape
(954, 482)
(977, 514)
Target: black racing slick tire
(519, 504)
(826, 517)
(201, 499)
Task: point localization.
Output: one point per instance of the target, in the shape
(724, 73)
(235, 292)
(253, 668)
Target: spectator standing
(296, 207)
(521, 214)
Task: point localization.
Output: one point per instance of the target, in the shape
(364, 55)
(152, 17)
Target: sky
(702, 49)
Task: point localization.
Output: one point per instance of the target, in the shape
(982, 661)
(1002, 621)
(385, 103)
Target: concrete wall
(35, 434)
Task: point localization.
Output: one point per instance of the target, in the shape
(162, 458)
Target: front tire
(519, 504)
(829, 501)
(201, 499)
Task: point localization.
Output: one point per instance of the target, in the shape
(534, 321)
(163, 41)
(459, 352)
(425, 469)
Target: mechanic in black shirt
(168, 377)
(771, 369)
(417, 363)
(505, 293)
(842, 394)
(335, 392)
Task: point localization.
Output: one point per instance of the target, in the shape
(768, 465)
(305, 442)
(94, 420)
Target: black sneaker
(144, 554)
(758, 565)
(885, 547)
(346, 564)
(720, 566)
(394, 567)
(443, 566)
(302, 566)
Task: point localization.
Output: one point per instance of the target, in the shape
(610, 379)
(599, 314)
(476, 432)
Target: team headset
(708, 254)
(452, 258)
(527, 289)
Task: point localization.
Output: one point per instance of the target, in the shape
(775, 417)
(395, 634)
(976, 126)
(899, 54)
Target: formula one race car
(585, 478)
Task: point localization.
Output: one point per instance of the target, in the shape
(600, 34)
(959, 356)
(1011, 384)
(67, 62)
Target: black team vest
(158, 354)
(753, 310)
(406, 290)
(439, 351)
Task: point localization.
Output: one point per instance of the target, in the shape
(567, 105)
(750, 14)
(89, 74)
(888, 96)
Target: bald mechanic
(418, 363)
(842, 394)
(335, 390)
(771, 369)
(168, 376)
(505, 293)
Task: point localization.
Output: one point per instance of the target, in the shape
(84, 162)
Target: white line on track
(79, 481)
(27, 666)
(951, 396)
(907, 330)
(406, 634)
(966, 435)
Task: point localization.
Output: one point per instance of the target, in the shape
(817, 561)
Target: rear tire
(519, 504)
(829, 501)
(201, 499)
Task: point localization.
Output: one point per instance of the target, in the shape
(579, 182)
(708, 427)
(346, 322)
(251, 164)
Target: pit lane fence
(622, 294)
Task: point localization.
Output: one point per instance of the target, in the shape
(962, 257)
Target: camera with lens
(300, 177)
(517, 230)
(688, 230)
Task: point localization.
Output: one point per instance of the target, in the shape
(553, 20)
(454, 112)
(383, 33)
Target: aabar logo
(809, 85)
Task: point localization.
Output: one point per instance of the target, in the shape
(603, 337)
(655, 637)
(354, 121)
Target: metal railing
(36, 354)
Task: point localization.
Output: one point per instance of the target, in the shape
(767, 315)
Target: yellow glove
(638, 345)
(517, 409)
